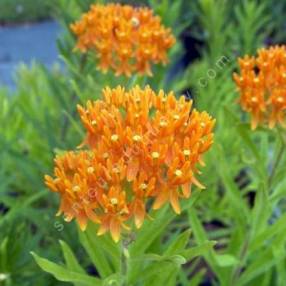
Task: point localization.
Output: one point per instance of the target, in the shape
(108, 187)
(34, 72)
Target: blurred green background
(38, 120)
(24, 11)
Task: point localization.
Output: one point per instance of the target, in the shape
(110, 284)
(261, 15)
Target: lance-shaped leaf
(65, 275)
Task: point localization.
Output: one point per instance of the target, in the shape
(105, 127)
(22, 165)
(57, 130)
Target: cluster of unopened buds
(141, 151)
(126, 39)
(262, 86)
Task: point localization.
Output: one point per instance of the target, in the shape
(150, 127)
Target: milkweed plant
(149, 171)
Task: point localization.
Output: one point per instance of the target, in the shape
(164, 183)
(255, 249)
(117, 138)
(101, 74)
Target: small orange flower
(139, 147)
(126, 39)
(262, 86)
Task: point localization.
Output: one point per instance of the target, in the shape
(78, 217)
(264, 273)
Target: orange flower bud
(262, 86)
(130, 160)
(125, 39)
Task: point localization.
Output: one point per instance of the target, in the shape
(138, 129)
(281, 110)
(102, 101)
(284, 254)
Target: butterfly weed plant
(150, 186)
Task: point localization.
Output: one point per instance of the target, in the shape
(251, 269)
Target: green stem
(242, 256)
(137, 80)
(73, 99)
(124, 259)
(277, 160)
(244, 249)
(124, 263)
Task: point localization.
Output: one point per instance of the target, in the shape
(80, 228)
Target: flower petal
(115, 229)
(174, 200)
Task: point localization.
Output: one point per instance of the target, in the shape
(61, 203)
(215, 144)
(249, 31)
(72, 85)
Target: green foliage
(64, 274)
(18, 11)
(142, 266)
(232, 233)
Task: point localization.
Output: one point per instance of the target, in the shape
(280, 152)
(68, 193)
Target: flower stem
(124, 263)
(125, 256)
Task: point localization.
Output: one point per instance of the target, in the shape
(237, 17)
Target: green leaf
(261, 210)
(261, 239)
(96, 253)
(75, 125)
(226, 260)
(70, 259)
(201, 237)
(65, 275)
(113, 280)
(199, 250)
(262, 263)
(153, 271)
(177, 259)
(21, 206)
(243, 130)
(232, 192)
(3, 254)
(160, 270)
(197, 278)
(107, 244)
(179, 243)
(151, 230)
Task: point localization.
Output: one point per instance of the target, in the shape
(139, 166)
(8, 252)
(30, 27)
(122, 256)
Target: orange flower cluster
(126, 39)
(140, 147)
(262, 86)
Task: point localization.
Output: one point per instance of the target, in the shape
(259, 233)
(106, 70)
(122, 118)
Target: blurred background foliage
(241, 209)
(24, 11)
